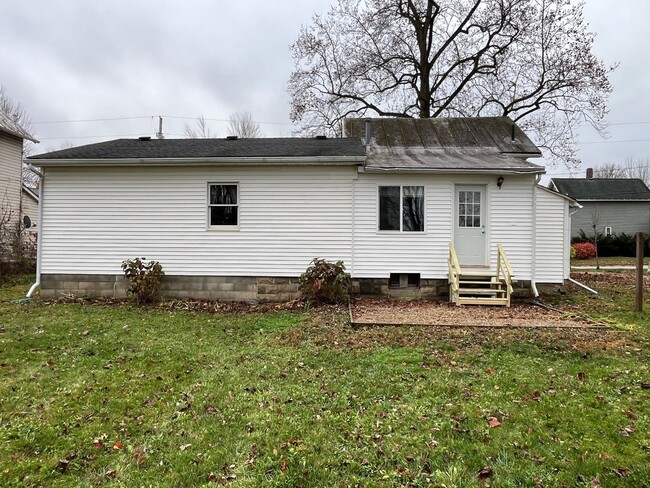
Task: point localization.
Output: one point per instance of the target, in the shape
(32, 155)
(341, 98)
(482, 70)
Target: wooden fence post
(639, 271)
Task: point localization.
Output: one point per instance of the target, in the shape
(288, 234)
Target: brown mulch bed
(520, 314)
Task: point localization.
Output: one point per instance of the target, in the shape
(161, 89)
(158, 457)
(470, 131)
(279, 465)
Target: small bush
(325, 282)
(584, 250)
(573, 253)
(144, 278)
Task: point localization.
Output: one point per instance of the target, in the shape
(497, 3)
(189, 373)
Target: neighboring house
(613, 205)
(30, 206)
(11, 182)
(241, 219)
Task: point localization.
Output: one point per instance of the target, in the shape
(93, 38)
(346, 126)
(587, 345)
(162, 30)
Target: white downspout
(39, 239)
(533, 267)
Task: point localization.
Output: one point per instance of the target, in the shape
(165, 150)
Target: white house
(241, 219)
(11, 181)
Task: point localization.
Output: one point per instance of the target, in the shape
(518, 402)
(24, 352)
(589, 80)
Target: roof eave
(291, 160)
(19, 135)
(396, 169)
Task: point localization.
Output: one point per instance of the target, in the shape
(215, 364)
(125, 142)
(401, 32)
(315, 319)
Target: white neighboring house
(241, 219)
(29, 207)
(11, 181)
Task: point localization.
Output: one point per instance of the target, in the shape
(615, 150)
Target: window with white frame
(223, 204)
(401, 208)
(608, 231)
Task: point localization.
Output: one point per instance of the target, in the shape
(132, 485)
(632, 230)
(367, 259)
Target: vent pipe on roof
(144, 138)
(320, 137)
(590, 173)
(367, 132)
(512, 134)
(231, 138)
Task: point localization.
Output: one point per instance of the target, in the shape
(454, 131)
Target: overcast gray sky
(70, 62)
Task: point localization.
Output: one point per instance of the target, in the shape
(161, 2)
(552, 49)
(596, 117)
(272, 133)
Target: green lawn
(608, 261)
(93, 394)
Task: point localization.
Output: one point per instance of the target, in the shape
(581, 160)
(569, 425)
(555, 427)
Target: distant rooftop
(581, 189)
(147, 148)
(10, 126)
(446, 144)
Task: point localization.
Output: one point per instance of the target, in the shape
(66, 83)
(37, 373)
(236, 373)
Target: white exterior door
(469, 227)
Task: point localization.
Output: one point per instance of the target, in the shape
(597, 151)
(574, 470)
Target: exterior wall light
(500, 181)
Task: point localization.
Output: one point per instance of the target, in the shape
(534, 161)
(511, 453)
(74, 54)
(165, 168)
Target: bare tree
(200, 131)
(242, 125)
(610, 170)
(20, 116)
(631, 168)
(638, 168)
(531, 60)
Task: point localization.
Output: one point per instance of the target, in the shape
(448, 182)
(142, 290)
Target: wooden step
(464, 282)
(482, 301)
(480, 291)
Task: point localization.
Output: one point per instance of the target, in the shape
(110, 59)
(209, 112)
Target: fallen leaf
(98, 444)
(85, 332)
(605, 456)
(627, 430)
(493, 422)
(184, 446)
(111, 473)
(490, 371)
(117, 445)
(484, 474)
(62, 466)
(620, 472)
(581, 375)
(283, 464)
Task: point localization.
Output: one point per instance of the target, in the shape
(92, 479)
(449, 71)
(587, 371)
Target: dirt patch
(330, 330)
(386, 312)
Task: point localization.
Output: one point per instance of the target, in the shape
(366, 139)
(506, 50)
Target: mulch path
(367, 312)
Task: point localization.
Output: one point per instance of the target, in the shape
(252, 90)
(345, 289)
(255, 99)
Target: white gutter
(298, 161)
(583, 286)
(533, 267)
(482, 171)
(39, 239)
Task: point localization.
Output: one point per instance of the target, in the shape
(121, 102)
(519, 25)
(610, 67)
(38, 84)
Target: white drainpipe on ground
(39, 239)
(533, 266)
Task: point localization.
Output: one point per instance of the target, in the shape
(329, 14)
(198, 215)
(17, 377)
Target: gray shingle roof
(603, 188)
(449, 144)
(9, 125)
(209, 148)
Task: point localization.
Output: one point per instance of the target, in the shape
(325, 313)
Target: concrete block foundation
(241, 288)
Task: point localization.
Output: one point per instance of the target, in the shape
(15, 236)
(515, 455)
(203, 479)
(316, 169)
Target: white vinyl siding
(509, 222)
(96, 217)
(552, 234)
(30, 209)
(10, 175)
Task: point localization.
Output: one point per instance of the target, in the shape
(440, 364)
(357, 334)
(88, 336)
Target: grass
(609, 261)
(97, 395)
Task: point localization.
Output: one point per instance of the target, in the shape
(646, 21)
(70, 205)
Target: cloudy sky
(88, 71)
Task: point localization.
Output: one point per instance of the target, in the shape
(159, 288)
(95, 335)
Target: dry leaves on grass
(384, 311)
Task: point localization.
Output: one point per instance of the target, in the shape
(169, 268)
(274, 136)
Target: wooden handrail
(454, 273)
(503, 267)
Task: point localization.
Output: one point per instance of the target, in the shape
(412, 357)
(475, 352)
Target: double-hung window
(223, 204)
(401, 208)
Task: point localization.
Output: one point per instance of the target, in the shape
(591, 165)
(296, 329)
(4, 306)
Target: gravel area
(520, 314)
